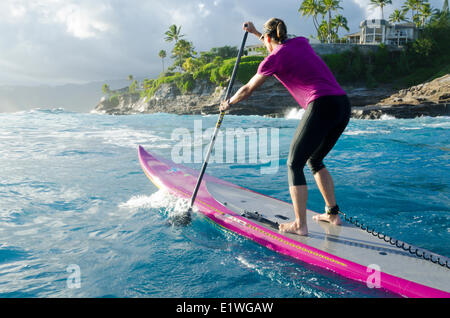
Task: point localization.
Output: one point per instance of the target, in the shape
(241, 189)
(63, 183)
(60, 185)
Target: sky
(54, 42)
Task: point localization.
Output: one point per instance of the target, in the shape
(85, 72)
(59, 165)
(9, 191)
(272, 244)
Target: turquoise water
(78, 217)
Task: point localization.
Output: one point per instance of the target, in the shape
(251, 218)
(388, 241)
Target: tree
(414, 7)
(133, 86)
(225, 52)
(130, 78)
(105, 89)
(322, 33)
(312, 8)
(328, 7)
(425, 12)
(326, 31)
(162, 54)
(339, 21)
(441, 16)
(191, 65)
(397, 16)
(381, 4)
(173, 34)
(436, 14)
(183, 50)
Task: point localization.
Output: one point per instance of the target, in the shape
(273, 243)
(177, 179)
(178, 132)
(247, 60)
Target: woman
(295, 64)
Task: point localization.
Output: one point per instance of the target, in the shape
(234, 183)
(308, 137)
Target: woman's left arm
(244, 92)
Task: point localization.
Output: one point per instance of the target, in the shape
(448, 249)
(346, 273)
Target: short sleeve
(268, 66)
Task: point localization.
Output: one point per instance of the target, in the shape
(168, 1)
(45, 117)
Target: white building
(377, 31)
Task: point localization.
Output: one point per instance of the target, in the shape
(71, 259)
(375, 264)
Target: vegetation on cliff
(214, 66)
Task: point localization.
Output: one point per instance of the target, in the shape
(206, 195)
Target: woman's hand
(250, 28)
(224, 105)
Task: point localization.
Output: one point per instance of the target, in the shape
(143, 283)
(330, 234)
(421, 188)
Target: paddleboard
(346, 250)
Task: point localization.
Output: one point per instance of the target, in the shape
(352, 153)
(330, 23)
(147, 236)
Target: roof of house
(353, 34)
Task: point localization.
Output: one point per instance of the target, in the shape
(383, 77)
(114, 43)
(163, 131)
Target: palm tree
(106, 89)
(397, 16)
(381, 4)
(445, 8)
(312, 8)
(323, 31)
(183, 49)
(339, 21)
(162, 54)
(425, 12)
(441, 15)
(328, 6)
(413, 6)
(173, 34)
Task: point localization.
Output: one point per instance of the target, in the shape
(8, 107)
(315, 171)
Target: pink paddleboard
(345, 250)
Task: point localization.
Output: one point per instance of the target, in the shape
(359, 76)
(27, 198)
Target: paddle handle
(219, 121)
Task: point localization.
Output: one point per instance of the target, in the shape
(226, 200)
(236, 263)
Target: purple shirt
(295, 64)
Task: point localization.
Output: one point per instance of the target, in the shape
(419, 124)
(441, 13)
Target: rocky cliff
(427, 99)
(273, 100)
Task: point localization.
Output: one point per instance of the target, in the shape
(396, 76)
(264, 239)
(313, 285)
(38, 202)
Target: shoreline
(273, 100)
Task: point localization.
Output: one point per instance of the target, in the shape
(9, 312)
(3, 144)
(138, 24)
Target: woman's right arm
(244, 92)
(250, 28)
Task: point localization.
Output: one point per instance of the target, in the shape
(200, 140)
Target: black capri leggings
(322, 124)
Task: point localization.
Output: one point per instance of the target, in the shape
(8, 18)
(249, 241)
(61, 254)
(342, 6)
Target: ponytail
(276, 29)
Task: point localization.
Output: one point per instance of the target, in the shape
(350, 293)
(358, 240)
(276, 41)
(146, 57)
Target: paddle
(218, 124)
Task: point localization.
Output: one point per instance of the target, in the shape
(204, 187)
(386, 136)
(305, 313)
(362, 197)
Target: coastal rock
(427, 99)
(400, 111)
(362, 96)
(273, 100)
(436, 91)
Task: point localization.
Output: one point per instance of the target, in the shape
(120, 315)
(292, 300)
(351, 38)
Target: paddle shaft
(219, 121)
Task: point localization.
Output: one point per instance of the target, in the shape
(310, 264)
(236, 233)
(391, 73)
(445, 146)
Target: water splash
(176, 209)
(295, 113)
(386, 117)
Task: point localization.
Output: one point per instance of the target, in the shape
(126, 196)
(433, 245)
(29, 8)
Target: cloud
(82, 21)
(58, 41)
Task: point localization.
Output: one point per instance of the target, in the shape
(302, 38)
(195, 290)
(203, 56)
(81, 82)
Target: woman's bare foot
(330, 218)
(294, 227)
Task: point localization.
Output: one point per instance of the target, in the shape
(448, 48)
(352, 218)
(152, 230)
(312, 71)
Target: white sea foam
(125, 137)
(365, 132)
(410, 128)
(445, 124)
(295, 113)
(162, 200)
(246, 263)
(122, 137)
(387, 117)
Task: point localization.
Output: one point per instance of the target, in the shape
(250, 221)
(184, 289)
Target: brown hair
(276, 29)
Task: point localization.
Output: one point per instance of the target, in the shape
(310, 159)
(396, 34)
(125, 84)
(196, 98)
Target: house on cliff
(378, 31)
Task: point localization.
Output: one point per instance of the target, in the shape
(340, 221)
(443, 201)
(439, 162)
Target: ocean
(79, 218)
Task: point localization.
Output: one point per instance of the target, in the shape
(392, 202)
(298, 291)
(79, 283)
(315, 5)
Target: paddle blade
(181, 219)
